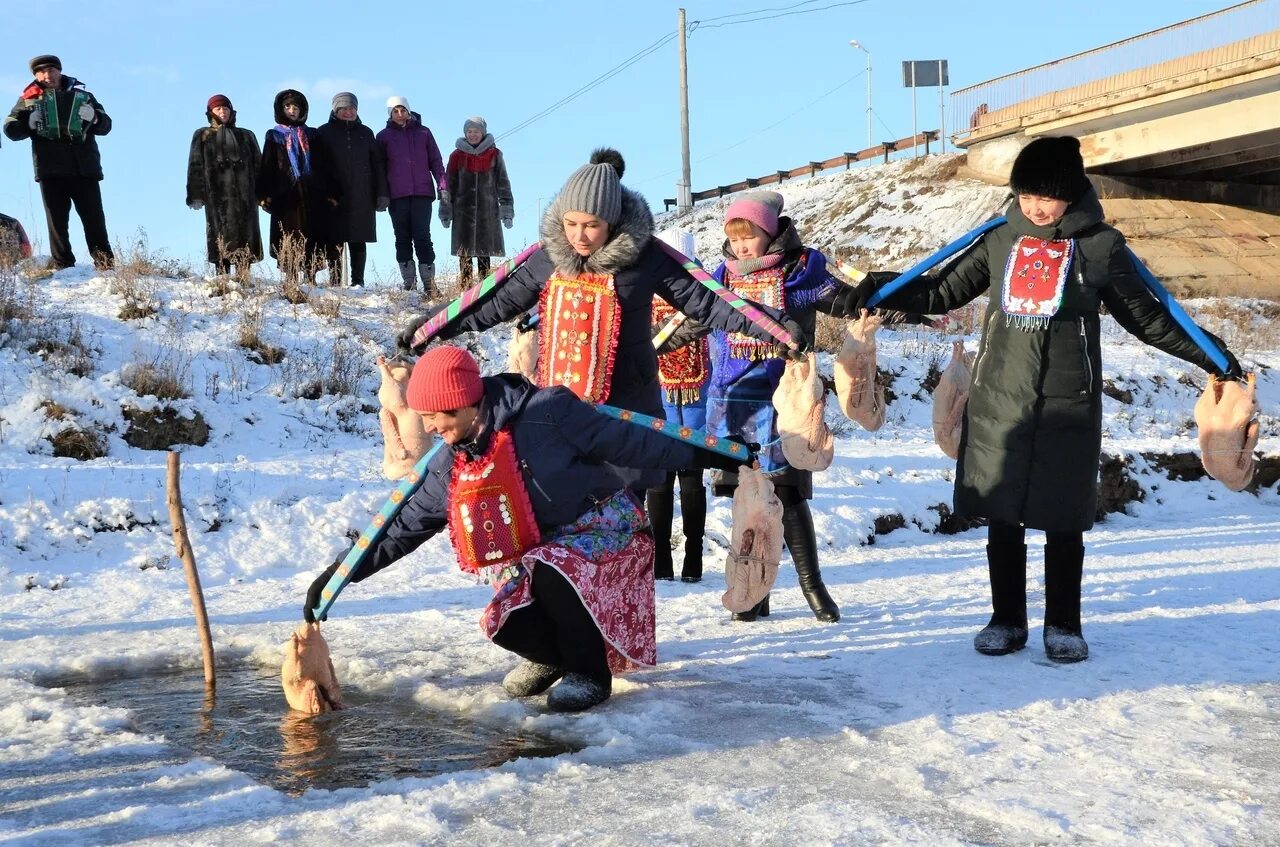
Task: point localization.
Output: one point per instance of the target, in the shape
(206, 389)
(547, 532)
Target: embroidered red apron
(1035, 279)
(765, 287)
(580, 321)
(491, 521)
(683, 371)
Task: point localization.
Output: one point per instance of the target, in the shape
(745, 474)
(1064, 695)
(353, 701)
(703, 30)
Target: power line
(725, 20)
(784, 14)
(763, 130)
(760, 11)
(882, 123)
(606, 76)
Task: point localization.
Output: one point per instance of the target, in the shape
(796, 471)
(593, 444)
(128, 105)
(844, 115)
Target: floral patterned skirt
(610, 564)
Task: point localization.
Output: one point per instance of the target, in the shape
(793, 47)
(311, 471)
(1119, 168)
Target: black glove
(851, 300)
(528, 321)
(317, 586)
(1233, 371)
(704, 458)
(801, 343)
(404, 338)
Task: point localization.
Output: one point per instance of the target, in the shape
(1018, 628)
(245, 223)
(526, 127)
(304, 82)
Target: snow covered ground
(886, 728)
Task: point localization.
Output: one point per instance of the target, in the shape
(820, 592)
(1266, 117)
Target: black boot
(802, 544)
(759, 610)
(1007, 631)
(693, 519)
(660, 503)
(1063, 569)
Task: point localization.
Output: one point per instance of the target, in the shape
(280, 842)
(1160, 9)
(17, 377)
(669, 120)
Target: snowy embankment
(884, 728)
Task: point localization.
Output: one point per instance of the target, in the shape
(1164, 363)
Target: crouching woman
(528, 485)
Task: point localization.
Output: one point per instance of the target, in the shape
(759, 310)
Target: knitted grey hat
(345, 100)
(596, 187)
(477, 122)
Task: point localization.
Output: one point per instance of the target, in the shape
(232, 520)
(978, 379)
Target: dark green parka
(1032, 430)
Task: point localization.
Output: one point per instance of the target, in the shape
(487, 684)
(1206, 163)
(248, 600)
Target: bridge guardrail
(1197, 44)
(884, 148)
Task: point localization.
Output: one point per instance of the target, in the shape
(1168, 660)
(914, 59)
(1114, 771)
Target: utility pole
(915, 148)
(942, 109)
(684, 190)
(855, 43)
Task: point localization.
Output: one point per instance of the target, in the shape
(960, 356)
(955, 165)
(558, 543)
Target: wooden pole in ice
(183, 545)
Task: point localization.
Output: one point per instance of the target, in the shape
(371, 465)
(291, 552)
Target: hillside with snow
(880, 218)
(885, 728)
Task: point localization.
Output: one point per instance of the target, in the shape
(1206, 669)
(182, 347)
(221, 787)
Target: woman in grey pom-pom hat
(594, 280)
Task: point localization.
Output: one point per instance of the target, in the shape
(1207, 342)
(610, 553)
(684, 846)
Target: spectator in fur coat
(293, 189)
(481, 197)
(222, 169)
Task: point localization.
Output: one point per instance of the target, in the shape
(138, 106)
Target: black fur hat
(1050, 167)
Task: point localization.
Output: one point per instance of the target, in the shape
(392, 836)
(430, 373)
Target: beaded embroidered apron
(683, 371)
(1035, 278)
(764, 287)
(491, 521)
(581, 319)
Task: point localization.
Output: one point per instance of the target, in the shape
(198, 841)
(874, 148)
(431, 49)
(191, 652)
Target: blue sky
(153, 65)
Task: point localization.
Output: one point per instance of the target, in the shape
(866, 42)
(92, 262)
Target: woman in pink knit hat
(530, 492)
(766, 262)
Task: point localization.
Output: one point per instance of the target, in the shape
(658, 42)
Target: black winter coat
(481, 191)
(357, 174)
(222, 169)
(640, 271)
(1032, 430)
(567, 451)
(63, 157)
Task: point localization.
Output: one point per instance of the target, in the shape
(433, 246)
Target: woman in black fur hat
(1033, 427)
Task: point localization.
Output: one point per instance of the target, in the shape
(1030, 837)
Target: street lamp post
(855, 43)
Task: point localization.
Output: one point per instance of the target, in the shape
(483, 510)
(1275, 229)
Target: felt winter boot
(802, 544)
(530, 678)
(1063, 569)
(659, 504)
(759, 610)
(693, 520)
(578, 692)
(407, 276)
(427, 270)
(1007, 630)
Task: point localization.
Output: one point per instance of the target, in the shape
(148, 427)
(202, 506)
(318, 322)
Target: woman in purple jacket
(415, 174)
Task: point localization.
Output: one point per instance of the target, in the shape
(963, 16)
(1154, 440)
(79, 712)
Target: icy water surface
(248, 727)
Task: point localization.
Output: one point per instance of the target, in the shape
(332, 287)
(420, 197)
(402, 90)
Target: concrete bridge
(1187, 112)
